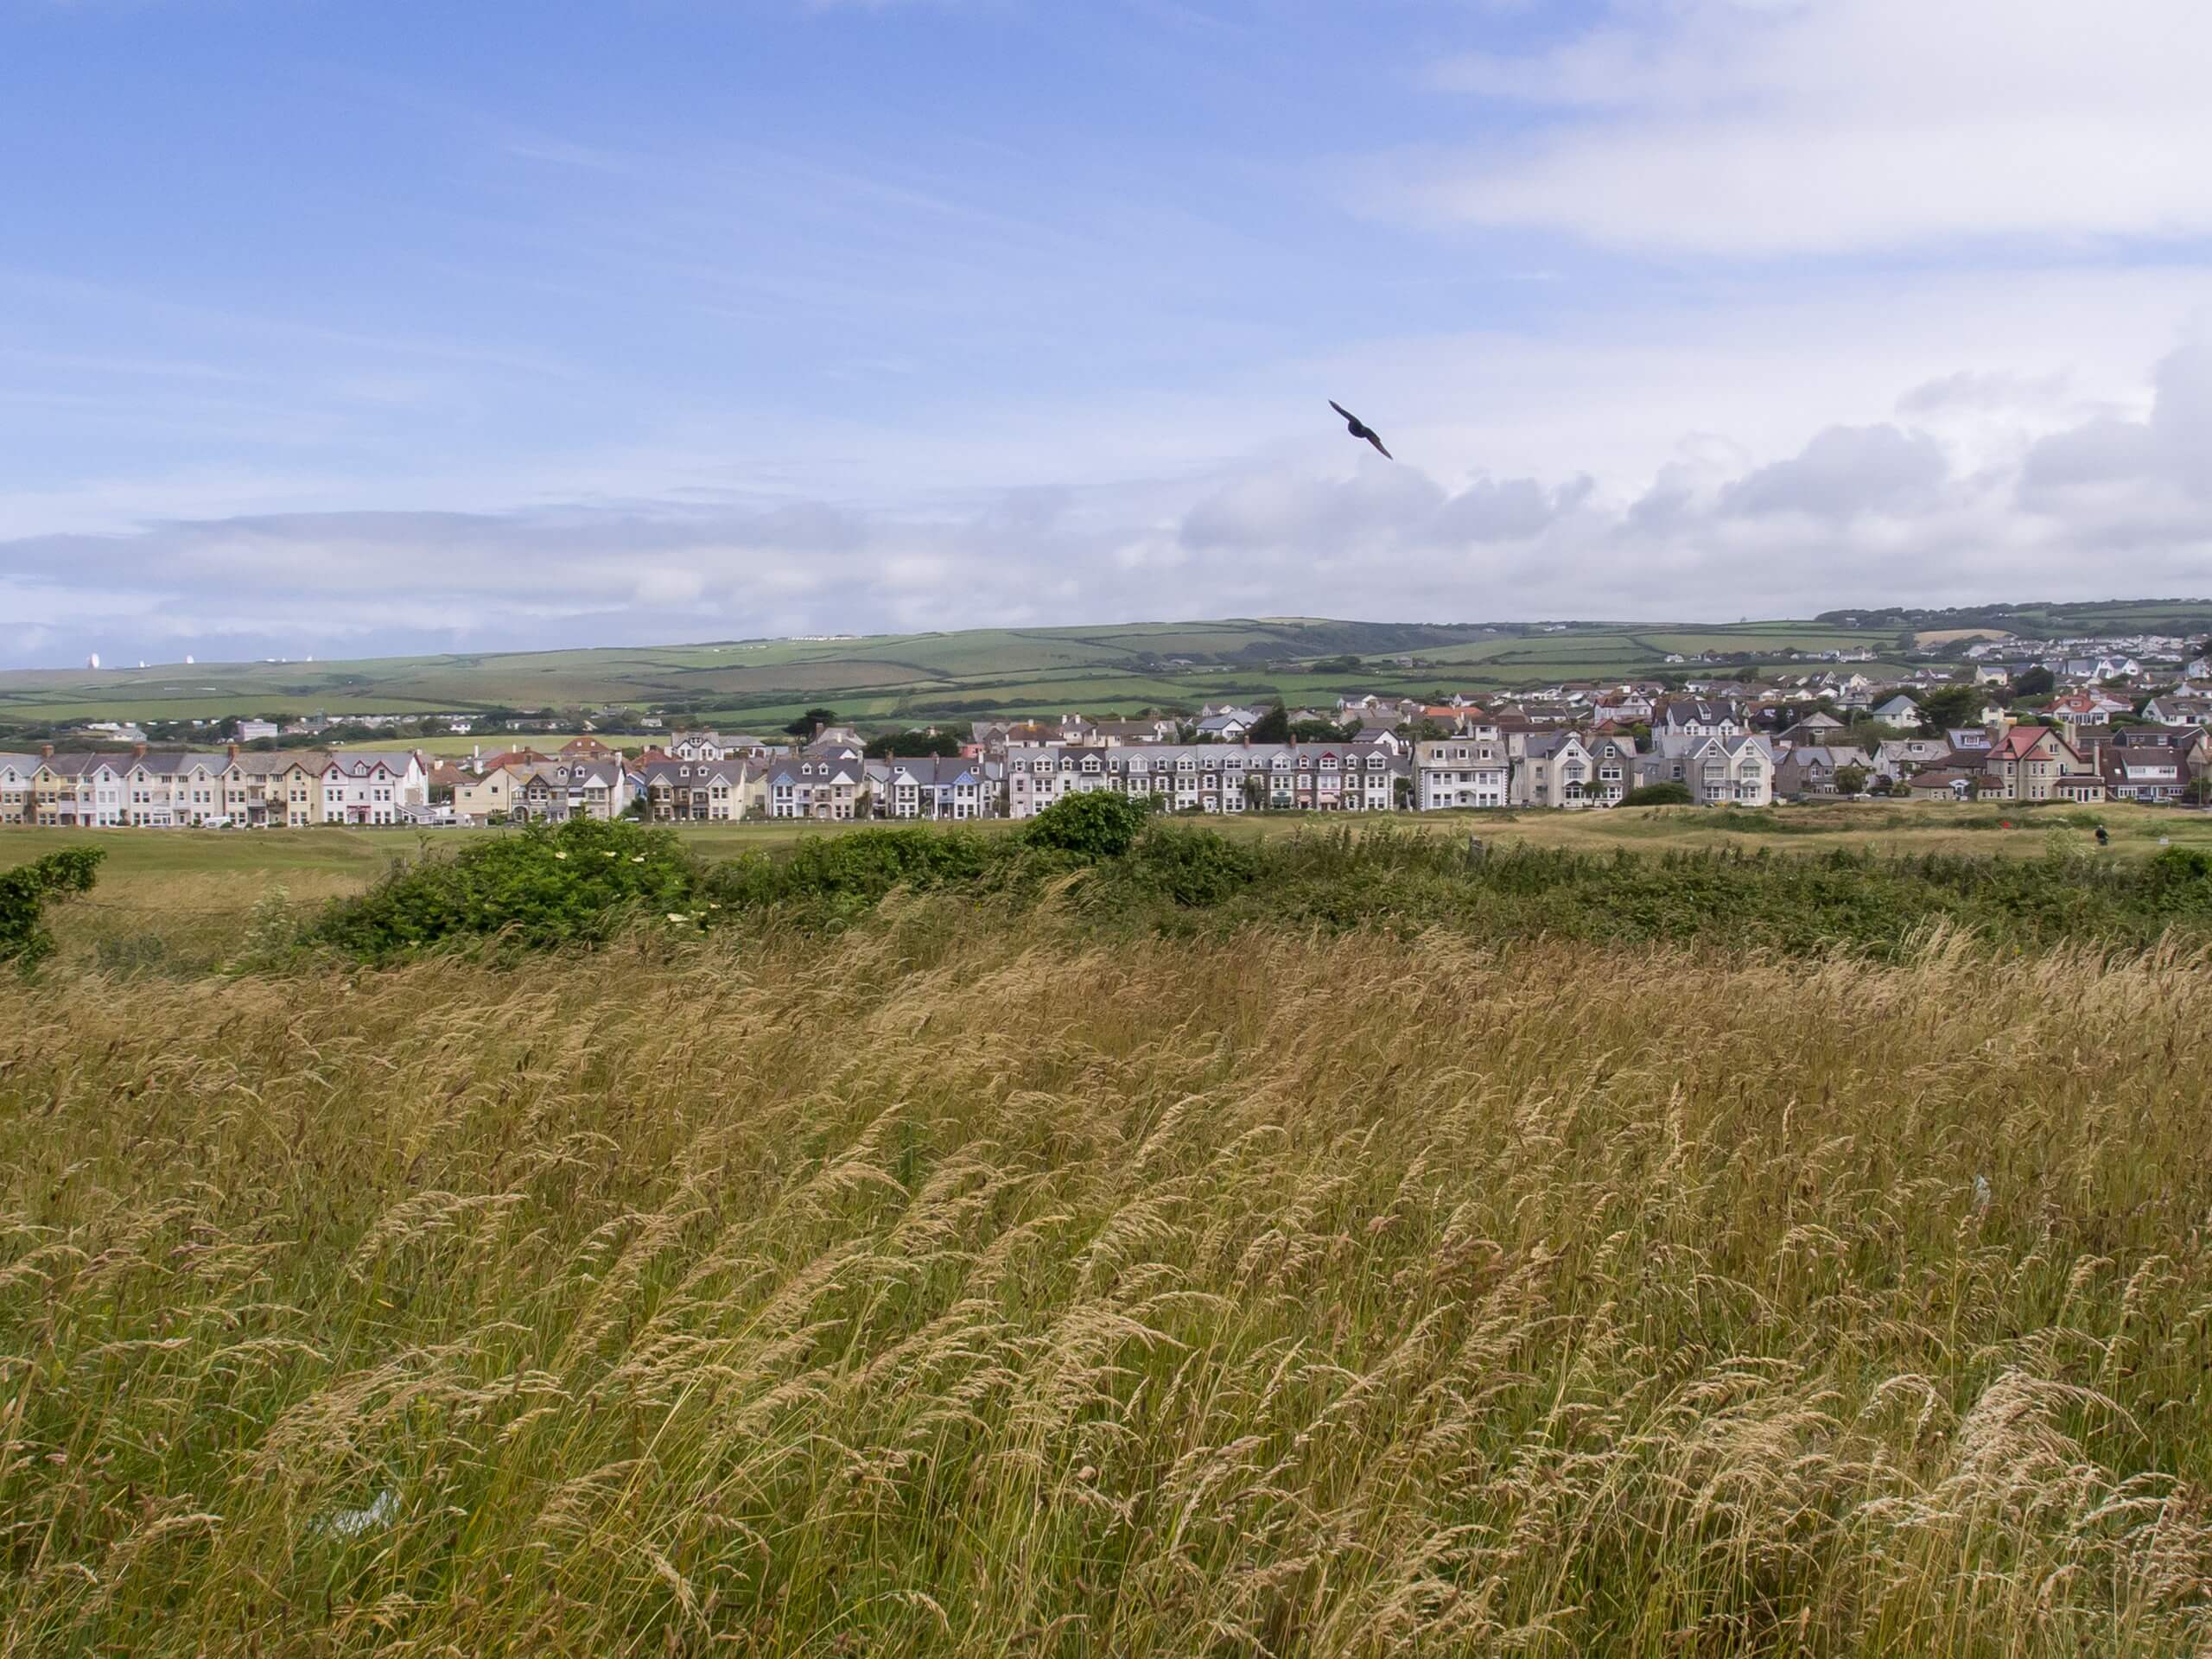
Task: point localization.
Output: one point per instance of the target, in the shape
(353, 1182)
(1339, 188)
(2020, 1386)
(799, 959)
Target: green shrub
(1671, 794)
(2180, 879)
(1101, 824)
(1189, 868)
(545, 886)
(852, 871)
(26, 890)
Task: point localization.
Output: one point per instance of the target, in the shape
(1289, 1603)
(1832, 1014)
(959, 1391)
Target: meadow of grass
(954, 1285)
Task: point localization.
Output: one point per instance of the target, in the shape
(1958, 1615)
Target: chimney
(233, 751)
(45, 751)
(138, 751)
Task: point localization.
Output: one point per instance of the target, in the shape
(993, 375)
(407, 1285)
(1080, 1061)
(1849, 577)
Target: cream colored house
(2024, 764)
(1731, 772)
(1556, 769)
(494, 794)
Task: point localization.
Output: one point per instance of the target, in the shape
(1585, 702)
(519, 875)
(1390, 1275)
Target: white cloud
(1840, 125)
(1845, 473)
(1885, 511)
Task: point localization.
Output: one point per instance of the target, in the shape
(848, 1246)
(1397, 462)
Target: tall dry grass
(943, 1289)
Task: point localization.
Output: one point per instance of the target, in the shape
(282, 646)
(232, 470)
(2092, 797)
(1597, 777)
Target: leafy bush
(1189, 868)
(2180, 879)
(1670, 793)
(574, 883)
(25, 892)
(1100, 825)
(849, 873)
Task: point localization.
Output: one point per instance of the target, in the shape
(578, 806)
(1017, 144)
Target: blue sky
(351, 327)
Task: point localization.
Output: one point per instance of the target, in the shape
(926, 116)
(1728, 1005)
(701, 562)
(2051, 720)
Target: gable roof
(1833, 756)
(928, 771)
(668, 769)
(363, 763)
(2021, 741)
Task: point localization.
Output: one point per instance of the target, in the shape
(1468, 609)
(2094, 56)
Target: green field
(995, 671)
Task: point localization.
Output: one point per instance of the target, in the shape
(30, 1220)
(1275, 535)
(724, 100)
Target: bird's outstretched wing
(1378, 442)
(1342, 410)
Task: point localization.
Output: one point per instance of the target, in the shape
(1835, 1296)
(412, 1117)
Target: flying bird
(1359, 429)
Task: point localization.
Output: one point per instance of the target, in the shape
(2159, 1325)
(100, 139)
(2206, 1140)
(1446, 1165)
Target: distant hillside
(2044, 620)
(1124, 667)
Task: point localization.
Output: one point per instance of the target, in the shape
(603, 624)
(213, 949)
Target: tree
(1255, 792)
(1670, 793)
(1273, 727)
(1318, 731)
(1864, 733)
(1950, 706)
(913, 743)
(812, 721)
(2036, 682)
(25, 892)
(1851, 780)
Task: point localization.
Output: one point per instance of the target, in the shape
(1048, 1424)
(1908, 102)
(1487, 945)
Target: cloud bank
(1832, 126)
(1887, 510)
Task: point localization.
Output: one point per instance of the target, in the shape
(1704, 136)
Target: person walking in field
(2103, 840)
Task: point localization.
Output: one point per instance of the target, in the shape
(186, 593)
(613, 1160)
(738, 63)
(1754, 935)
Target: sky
(350, 329)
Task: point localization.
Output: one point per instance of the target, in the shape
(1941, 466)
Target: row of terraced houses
(161, 789)
(1017, 771)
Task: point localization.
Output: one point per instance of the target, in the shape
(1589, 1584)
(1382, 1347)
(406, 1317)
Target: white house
(1471, 770)
(370, 786)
